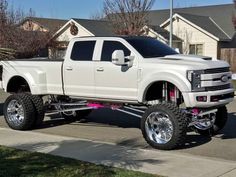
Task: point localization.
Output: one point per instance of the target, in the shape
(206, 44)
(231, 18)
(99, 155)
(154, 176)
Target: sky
(66, 9)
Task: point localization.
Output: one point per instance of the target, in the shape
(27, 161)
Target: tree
(14, 41)
(97, 15)
(186, 36)
(127, 16)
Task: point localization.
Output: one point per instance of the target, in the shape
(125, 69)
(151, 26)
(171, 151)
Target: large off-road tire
(164, 126)
(39, 110)
(19, 112)
(220, 121)
(77, 115)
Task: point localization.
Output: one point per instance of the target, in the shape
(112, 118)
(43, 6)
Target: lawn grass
(17, 163)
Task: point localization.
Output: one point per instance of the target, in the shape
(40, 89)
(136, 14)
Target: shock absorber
(165, 91)
(172, 94)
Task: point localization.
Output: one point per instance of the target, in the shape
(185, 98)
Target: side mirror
(118, 57)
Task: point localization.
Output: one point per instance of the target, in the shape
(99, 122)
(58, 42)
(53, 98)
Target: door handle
(69, 68)
(101, 69)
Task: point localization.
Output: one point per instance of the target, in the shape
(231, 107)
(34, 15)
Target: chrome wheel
(15, 112)
(19, 112)
(159, 127)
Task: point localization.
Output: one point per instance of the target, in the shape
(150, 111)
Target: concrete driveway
(115, 127)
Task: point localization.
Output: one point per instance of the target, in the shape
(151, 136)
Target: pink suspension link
(99, 105)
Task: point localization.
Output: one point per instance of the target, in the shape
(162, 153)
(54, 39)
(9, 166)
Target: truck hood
(191, 61)
(193, 58)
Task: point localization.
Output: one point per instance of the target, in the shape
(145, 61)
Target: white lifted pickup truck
(136, 75)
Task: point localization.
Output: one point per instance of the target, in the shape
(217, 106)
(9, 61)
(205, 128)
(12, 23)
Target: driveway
(114, 127)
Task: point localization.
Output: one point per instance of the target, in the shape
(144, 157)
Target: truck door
(78, 70)
(112, 81)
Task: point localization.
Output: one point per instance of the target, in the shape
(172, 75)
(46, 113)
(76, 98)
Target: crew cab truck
(140, 76)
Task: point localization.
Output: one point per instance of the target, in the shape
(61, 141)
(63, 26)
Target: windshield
(149, 47)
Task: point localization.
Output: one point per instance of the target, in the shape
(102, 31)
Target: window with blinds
(196, 49)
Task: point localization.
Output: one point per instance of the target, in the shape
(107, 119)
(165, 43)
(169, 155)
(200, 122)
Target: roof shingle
(207, 24)
(220, 14)
(51, 24)
(97, 27)
(164, 33)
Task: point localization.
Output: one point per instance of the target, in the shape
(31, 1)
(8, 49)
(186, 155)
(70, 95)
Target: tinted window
(109, 47)
(150, 48)
(83, 51)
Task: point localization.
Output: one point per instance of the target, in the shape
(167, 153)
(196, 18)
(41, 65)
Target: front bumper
(225, 97)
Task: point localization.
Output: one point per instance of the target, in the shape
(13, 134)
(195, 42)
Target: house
(204, 30)
(64, 30)
(162, 35)
(46, 25)
(78, 28)
(42, 24)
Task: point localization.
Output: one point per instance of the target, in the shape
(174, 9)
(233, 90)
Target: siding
(67, 36)
(191, 35)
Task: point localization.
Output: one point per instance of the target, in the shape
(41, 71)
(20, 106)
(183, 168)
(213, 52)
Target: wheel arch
(172, 78)
(16, 82)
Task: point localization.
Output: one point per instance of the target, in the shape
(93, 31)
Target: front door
(112, 81)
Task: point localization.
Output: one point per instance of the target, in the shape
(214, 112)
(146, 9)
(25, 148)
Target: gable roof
(164, 33)
(92, 27)
(203, 23)
(208, 24)
(50, 24)
(220, 14)
(97, 27)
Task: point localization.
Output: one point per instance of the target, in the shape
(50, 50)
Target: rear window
(150, 48)
(83, 51)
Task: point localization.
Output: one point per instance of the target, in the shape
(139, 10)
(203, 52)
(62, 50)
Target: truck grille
(1, 70)
(216, 79)
(221, 87)
(217, 70)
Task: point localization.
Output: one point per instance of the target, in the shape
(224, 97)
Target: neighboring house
(46, 25)
(64, 30)
(42, 24)
(204, 30)
(78, 28)
(162, 35)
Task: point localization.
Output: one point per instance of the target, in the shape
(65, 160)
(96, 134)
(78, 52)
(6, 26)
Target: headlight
(194, 78)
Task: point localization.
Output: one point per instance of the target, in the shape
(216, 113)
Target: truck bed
(43, 75)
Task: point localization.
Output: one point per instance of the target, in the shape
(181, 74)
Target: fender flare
(174, 78)
(28, 78)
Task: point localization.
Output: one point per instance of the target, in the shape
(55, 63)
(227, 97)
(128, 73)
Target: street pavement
(116, 128)
(150, 161)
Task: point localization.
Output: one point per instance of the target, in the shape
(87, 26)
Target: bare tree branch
(127, 16)
(25, 44)
(98, 15)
